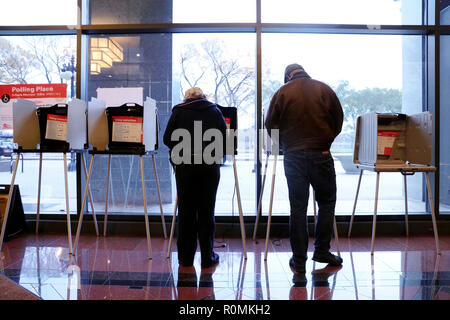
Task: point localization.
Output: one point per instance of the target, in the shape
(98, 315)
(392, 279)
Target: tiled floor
(116, 267)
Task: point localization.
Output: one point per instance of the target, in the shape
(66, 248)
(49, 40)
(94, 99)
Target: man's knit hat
(289, 69)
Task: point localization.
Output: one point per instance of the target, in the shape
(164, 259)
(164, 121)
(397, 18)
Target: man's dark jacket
(183, 117)
(307, 112)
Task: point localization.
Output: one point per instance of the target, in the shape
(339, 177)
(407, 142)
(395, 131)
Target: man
(197, 180)
(309, 116)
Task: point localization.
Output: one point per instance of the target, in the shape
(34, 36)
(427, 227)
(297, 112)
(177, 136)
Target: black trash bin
(53, 127)
(125, 126)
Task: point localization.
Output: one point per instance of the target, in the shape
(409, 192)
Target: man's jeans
(304, 168)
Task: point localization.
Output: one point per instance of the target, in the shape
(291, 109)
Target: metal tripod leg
(241, 217)
(69, 228)
(270, 204)
(8, 204)
(147, 229)
(39, 193)
(406, 205)
(258, 212)
(374, 224)
(163, 222)
(108, 174)
(172, 228)
(354, 205)
(80, 221)
(91, 199)
(433, 217)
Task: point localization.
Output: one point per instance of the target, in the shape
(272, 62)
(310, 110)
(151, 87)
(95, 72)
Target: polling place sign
(44, 95)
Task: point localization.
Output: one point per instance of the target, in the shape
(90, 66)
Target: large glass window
(445, 12)
(37, 60)
(42, 12)
(166, 65)
(167, 11)
(444, 127)
(368, 73)
(370, 12)
(223, 65)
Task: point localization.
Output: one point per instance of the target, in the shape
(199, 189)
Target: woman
(197, 180)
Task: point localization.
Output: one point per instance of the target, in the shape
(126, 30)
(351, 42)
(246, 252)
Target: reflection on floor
(116, 267)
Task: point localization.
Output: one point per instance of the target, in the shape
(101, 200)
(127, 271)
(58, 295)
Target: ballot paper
(56, 127)
(386, 140)
(127, 129)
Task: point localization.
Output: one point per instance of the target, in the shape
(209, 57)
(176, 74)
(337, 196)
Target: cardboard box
(393, 138)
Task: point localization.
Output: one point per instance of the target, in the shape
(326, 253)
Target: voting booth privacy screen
(230, 116)
(386, 138)
(53, 127)
(125, 127)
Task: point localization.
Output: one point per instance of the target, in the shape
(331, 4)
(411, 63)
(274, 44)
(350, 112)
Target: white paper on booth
(150, 130)
(115, 97)
(25, 123)
(76, 128)
(97, 124)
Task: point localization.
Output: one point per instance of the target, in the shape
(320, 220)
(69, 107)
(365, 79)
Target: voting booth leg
(66, 186)
(406, 205)
(80, 221)
(270, 204)
(172, 228)
(91, 200)
(241, 217)
(8, 204)
(354, 205)
(374, 223)
(39, 193)
(433, 217)
(108, 174)
(163, 222)
(147, 229)
(258, 212)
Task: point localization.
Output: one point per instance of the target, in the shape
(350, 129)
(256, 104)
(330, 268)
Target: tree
(48, 55)
(220, 75)
(16, 63)
(357, 102)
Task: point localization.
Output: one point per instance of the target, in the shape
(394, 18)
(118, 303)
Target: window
(42, 12)
(166, 66)
(38, 60)
(368, 73)
(445, 12)
(370, 12)
(444, 194)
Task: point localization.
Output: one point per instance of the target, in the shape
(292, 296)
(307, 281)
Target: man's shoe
(298, 268)
(328, 257)
(214, 260)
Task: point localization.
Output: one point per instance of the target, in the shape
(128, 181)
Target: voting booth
(121, 123)
(231, 120)
(393, 139)
(394, 142)
(46, 129)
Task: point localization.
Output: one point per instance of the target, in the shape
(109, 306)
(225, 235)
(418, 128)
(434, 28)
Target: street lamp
(68, 71)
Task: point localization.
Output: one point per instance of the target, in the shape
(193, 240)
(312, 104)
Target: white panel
(76, 124)
(150, 128)
(97, 124)
(115, 97)
(25, 124)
